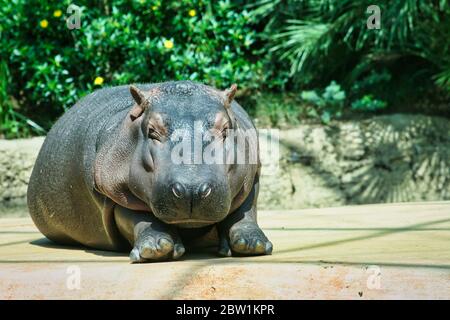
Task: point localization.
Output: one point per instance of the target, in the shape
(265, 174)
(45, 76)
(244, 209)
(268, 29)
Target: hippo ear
(229, 95)
(137, 94)
(141, 103)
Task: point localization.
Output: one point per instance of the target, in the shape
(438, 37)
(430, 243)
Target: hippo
(106, 177)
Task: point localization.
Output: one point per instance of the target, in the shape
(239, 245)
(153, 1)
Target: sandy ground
(359, 252)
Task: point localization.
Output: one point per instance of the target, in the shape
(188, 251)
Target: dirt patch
(17, 158)
(395, 158)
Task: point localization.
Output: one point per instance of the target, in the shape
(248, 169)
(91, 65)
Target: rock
(16, 162)
(392, 158)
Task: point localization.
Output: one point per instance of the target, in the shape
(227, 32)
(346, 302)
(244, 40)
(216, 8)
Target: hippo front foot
(152, 245)
(245, 239)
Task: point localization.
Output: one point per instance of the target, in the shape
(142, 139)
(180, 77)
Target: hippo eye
(153, 134)
(225, 132)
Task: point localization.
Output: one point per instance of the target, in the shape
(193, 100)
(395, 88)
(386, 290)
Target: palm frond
(299, 40)
(336, 30)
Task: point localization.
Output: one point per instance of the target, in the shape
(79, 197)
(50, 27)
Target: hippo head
(169, 129)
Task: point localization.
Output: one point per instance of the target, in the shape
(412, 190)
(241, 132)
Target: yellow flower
(44, 23)
(57, 13)
(168, 44)
(98, 81)
(192, 12)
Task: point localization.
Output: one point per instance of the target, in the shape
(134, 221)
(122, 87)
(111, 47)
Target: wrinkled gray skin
(104, 176)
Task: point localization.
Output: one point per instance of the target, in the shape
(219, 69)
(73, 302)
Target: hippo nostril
(204, 190)
(178, 190)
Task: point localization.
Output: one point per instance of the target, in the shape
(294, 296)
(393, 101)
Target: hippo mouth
(191, 223)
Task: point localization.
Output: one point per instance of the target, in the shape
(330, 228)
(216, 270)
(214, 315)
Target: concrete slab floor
(388, 251)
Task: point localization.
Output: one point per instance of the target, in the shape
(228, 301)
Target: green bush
(12, 123)
(368, 103)
(328, 104)
(121, 42)
(267, 47)
(274, 109)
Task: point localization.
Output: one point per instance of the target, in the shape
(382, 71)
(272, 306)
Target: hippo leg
(151, 239)
(239, 232)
